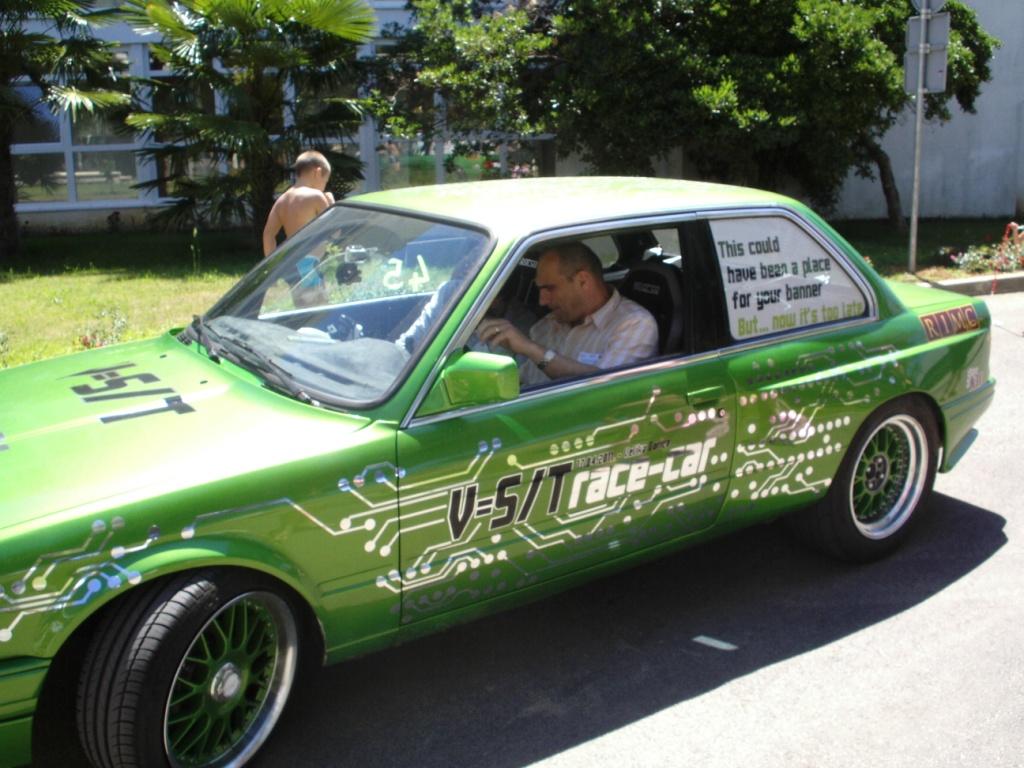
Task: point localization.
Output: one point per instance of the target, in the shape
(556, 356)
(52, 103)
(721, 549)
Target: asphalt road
(914, 661)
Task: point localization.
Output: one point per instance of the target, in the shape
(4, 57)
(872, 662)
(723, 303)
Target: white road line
(719, 645)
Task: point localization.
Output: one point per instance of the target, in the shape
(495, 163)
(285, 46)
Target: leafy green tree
(284, 71)
(48, 60)
(485, 61)
(754, 92)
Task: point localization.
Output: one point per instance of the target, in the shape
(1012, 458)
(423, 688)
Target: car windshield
(340, 310)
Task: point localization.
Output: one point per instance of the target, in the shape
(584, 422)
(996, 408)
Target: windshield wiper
(273, 373)
(199, 330)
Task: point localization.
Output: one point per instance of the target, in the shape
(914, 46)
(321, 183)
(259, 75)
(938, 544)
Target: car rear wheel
(881, 485)
(193, 673)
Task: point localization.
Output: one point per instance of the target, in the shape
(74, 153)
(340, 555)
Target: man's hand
(500, 332)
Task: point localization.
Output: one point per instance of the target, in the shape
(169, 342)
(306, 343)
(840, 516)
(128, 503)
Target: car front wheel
(193, 673)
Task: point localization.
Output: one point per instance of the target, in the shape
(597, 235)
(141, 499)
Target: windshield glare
(343, 307)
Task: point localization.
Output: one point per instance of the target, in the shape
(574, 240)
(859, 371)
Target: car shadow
(530, 683)
(515, 688)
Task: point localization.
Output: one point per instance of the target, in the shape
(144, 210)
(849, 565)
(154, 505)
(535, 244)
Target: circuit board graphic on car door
(552, 483)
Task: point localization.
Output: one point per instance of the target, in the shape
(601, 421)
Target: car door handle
(705, 396)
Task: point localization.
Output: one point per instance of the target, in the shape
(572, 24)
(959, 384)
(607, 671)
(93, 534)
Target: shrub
(1007, 256)
(105, 329)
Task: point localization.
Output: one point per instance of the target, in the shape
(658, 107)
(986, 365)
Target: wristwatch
(549, 355)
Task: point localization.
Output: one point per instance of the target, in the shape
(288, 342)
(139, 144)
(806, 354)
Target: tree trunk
(892, 194)
(261, 200)
(8, 196)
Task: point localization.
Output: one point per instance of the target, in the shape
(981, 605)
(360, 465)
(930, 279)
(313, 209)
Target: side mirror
(473, 378)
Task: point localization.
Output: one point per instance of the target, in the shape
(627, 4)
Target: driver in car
(590, 326)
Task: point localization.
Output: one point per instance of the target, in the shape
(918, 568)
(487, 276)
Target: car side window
(605, 248)
(644, 267)
(668, 248)
(778, 278)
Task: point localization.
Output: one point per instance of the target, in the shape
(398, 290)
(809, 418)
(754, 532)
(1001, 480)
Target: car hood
(109, 426)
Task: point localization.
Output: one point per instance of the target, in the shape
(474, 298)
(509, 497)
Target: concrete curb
(982, 285)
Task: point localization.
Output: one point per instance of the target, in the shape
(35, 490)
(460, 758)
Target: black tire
(881, 486)
(190, 672)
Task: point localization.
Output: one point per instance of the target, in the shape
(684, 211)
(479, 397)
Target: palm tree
(283, 72)
(46, 44)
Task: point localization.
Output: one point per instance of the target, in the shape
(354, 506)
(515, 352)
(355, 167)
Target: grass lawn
(72, 290)
(69, 291)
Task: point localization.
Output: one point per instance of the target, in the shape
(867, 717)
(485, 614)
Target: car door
(567, 477)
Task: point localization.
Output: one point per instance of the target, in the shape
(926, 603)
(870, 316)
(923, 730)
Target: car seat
(658, 288)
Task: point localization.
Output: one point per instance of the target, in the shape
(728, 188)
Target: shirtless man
(301, 203)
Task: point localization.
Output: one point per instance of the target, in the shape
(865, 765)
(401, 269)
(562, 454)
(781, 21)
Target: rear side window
(605, 248)
(778, 278)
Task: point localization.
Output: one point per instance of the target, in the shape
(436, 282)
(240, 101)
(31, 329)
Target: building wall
(66, 221)
(974, 164)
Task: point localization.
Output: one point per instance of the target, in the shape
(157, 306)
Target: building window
(105, 175)
(405, 163)
(41, 178)
(85, 162)
(44, 128)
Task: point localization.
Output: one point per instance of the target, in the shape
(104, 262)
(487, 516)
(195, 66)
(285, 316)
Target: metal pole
(368, 154)
(922, 54)
(440, 137)
(368, 137)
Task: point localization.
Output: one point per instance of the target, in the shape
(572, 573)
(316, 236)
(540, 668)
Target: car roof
(515, 206)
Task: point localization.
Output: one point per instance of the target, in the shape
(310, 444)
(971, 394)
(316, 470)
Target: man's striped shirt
(619, 333)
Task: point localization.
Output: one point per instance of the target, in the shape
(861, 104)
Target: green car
(378, 432)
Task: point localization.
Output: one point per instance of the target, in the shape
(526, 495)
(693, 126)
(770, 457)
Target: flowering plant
(1007, 256)
(107, 328)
